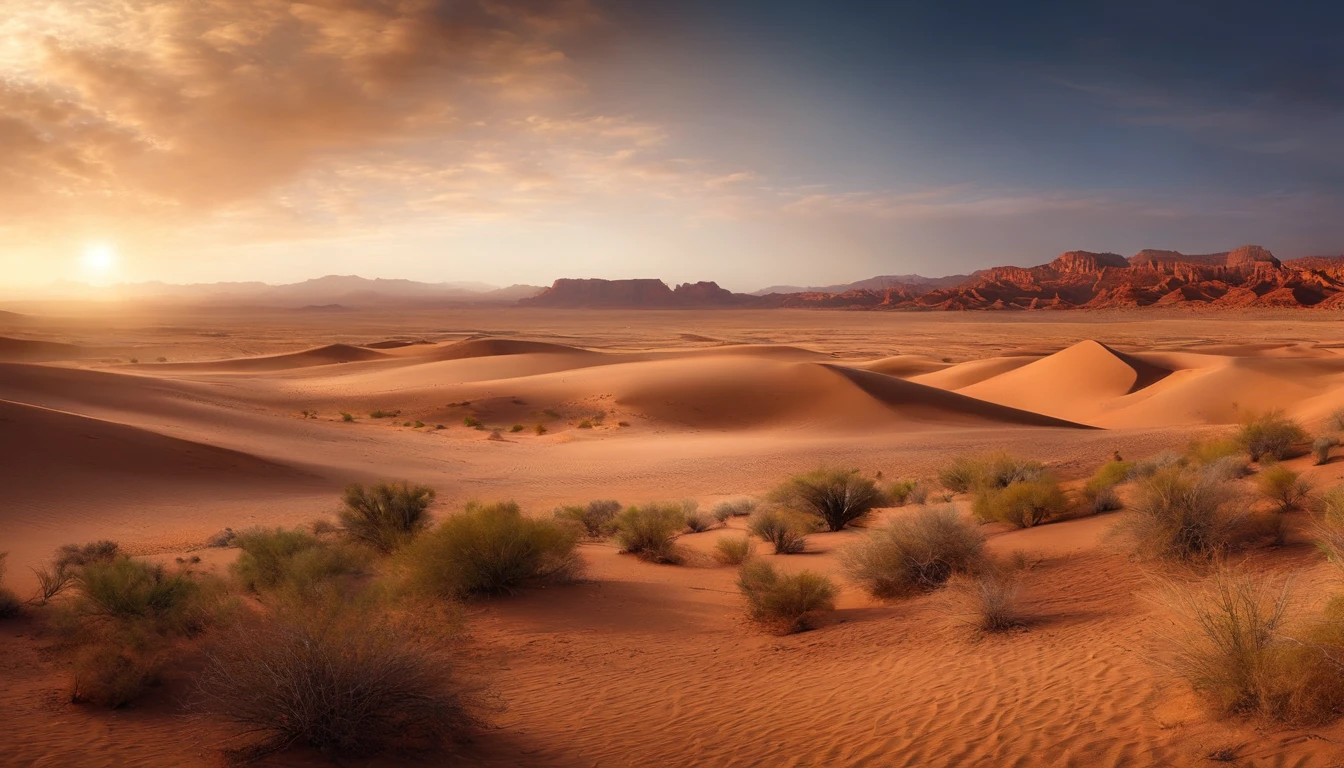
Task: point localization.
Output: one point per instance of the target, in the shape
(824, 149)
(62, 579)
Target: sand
(646, 664)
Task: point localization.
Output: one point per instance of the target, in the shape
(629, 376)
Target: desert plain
(644, 664)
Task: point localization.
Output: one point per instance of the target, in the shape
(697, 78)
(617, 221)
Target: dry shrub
(1099, 491)
(348, 683)
(1329, 524)
(996, 470)
(1156, 463)
(1224, 639)
(733, 550)
(1320, 448)
(742, 507)
(1226, 468)
(597, 518)
(650, 532)
(785, 603)
(898, 493)
(1270, 435)
(1310, 670)
(292, 560)
(914, 553)
(1206, 452)
(9, 602)
(989, 601)
(492, 549)
(1185, 517)
(1023, 503)
(386, 515)
(785, 530)
(1286, 488)
(698, 522)
(837, 496)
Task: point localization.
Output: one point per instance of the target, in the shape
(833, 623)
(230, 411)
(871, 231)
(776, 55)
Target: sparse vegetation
(785, 530)
(914, 553)
(347, 417)
(585, 424)
(473, 422)
(1099, 491)
(698, 522)
(1185, 516)
(540, 429)
(896, 494)
(1286, 488)
(1023, 503)
(1226, 468)
(597, 519)
(1156, 463)
(989, 602)
(386, 515)
(54, 578)
(1271, 435)
(786, 603)
(1206, 452)
(1320, 448)
(837, 496)
(349, 683)
(161, 359)
(733, 550)
(650, 531)
(278, 559)
(998, 470)
(491, 549)
(742, 507)
(381, 414)
(517, 428)
(495, 434)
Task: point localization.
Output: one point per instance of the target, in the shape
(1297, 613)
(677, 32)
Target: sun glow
(99, 261)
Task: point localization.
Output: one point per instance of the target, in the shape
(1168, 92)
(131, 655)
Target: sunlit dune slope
(27, 350)
(330, 354)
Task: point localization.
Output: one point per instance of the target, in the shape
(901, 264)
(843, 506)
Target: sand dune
(330, 354)
(903, 366)
(26, 350)
(972, 372)
(499, 347)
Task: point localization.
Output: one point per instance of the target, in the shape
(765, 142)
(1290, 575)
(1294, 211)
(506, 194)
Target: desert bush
(837, 496)
(1337, 419)
(222, 539)
(517, 428)
(733, 550)
(347, 417)
(473, 422)
(1329, 524)
(1270, 435)
(785, 530)
(1320, 448)
(1185, 516)
(381, 414)
(914, 553)
(963, 474)
(1099, 491)
(1226, 468)
(293, 560)
(997, 470)
(897, 493)
(989, 601)
(585, 424)
(9, 602)
(540, 429)
(786, 603)
(386, 515)
(650, 531)
(127, 589)
(699, 522)
(491, 549)
(596, 518)
(1224, 639)
(1156, 463)
(1023, 503)
(77, 555)
(742, 507)
(347, 683)
(1286, 488)
(1204, 452)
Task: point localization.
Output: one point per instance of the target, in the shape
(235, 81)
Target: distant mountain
(879, 283)
(636, 294)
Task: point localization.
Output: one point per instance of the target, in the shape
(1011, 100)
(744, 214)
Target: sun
(99, 260)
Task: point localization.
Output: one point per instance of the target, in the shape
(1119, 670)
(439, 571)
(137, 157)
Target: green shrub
(347, 416)
(294, 560)
(1208, 451)
(123, 588)
(997, 470)
(349, 683)
(9, 602)
(786, 603)
(1286, 488)
(914, 553)
(742, 507)
(1099, 491)
(1156, 463)
(473, 422)
(386, 515)
(898, 493)
(597, 519)
(786, 531)
(1023, 503)
(1271, 435)
(650, 531)
(517, 428)
(381, 414)
(836, 496)
(733, 550)
(1185, 516)
(1320, 449)
(492, 549)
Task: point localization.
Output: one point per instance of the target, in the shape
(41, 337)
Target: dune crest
(330, 354)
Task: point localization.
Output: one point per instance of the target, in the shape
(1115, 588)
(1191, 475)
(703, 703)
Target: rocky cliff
(570, 293)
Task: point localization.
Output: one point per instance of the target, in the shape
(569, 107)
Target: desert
(242, 426)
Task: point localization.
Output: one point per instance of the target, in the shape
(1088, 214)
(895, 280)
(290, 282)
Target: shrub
(1184, 516)
(495, 434)
(419, 424)
(1099, 491)
(517, 428)
(161, 359)
(786, 603)
(473, 422)
(1283, 486)
(1156, 463)
(540, 429)
(897, 493)
(989, 602)
(386, 515)
(381, 414)
(1209, 451)
(1320, 448)
(77, 555)
(1271, 435)
(1337, 418)
(998, 470)
(347, 416)
(786, 531)
(347, 683)
(733, 550)
(837, 496)
(123, 588)
(1023, 503)
(294, 560)
(9, 602)
(1329, 524)
(597, 518)
(914, 553)
(585, 424)
(222, 539)
(742, 507)
(699, 522)
(490, 549)
(1224, 639)
(1226, 468)
(650, 531)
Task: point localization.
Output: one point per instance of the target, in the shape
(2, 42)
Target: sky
(748, 142)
